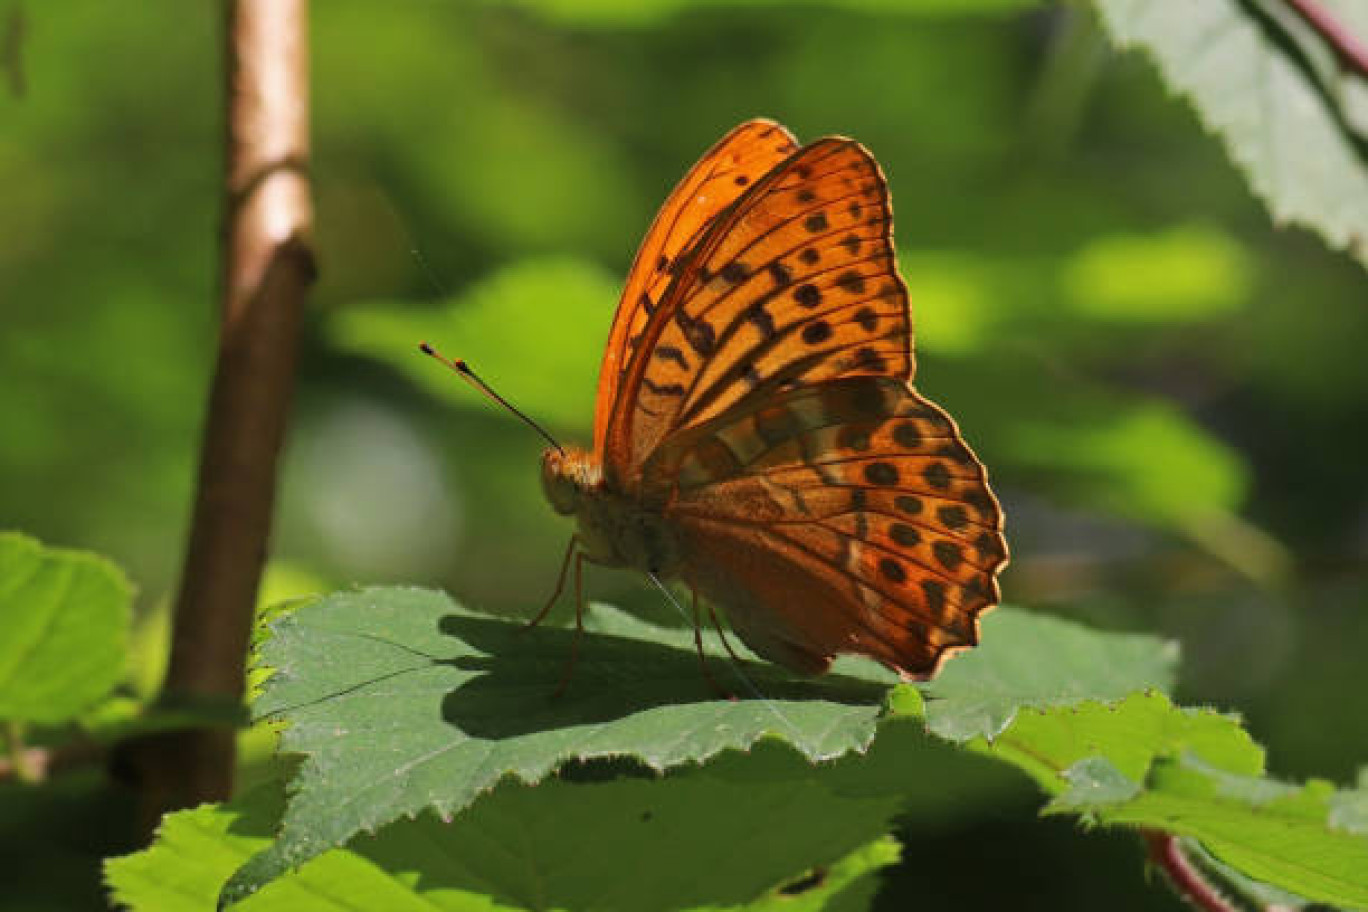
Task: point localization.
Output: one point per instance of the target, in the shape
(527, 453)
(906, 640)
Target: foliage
(520, 848)
(619, 12)
(1268, 831)
(1272, 88)
(64, 619)
(569, 347)
(1166, 383)
(406, 707)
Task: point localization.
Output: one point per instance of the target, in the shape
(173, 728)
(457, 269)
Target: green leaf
(847, 886)
(1095, 781)
(404, 704)
(1148, 461)
(477, 326)
(401, 702)
(1276, 833)
(1349, 809)
(651, 838)
(1130, 734)
(1185, 274)
(646, 12)
(1094, 297)
(196, 850)
(1268, 85)
(1256, 893)
(64, 618)
(1033, 661)
(789, 844)
(1145, 763)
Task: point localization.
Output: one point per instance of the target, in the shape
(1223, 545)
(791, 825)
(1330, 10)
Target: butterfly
(757, 435)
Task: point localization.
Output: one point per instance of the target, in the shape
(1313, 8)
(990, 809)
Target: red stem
(1351, 52)
(1166, 853)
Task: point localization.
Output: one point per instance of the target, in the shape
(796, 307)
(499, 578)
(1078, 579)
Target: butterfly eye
(562, 486)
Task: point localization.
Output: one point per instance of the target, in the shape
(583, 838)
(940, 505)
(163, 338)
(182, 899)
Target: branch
(38, 764)
(267, 270)
(1351, 52)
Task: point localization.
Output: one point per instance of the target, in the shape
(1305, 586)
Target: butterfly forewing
(795, 283)
(726, 171)
(858, 483)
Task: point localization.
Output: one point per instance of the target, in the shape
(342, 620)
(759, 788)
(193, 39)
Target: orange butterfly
(757, 435)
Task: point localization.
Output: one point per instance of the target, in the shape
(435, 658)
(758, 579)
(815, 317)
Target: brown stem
(38, 764)
(1166, 853)
(1351, 52)
(21, 760)
(267, 270)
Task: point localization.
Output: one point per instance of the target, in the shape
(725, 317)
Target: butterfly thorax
(614, 529)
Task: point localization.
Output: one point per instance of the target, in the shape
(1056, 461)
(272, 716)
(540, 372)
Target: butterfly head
(568, 477)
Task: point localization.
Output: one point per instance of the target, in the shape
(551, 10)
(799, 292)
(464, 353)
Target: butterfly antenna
(749, 685)
(460, 367)
(427, 270)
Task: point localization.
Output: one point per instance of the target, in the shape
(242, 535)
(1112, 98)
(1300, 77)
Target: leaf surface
(64, 618)
(401, 702)
(626, 844)
(1291, 118)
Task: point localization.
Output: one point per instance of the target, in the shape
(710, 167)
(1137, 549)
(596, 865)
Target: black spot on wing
(807, 295)
(881, 473)
(937, 476)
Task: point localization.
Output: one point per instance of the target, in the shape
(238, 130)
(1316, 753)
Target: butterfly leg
(579, 627)
(698, 645)
(717, 625)
(560, 585)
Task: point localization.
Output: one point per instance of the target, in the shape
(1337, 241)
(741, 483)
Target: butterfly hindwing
(855, 505)
(794, 283)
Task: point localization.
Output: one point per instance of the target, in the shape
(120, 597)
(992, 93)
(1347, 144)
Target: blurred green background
(1171, 394)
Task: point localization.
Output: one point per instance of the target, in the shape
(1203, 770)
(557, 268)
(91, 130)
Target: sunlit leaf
(401, 701)
(548, 368)
(1095, 780)
(1148, 461)
(64, 618)
(1349, 809)
(1276, 833)
(1146, 763)
(956, 304)
(644, 12)
(1188, 273)
(789, 844)
(1050, 744)
(1255, 74)
(1033, 661)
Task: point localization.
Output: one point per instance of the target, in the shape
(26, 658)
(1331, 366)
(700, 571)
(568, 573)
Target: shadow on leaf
(512, 689)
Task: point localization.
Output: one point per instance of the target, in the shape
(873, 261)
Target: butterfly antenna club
(463, 369)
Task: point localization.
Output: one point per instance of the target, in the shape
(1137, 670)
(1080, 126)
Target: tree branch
(267, 270)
